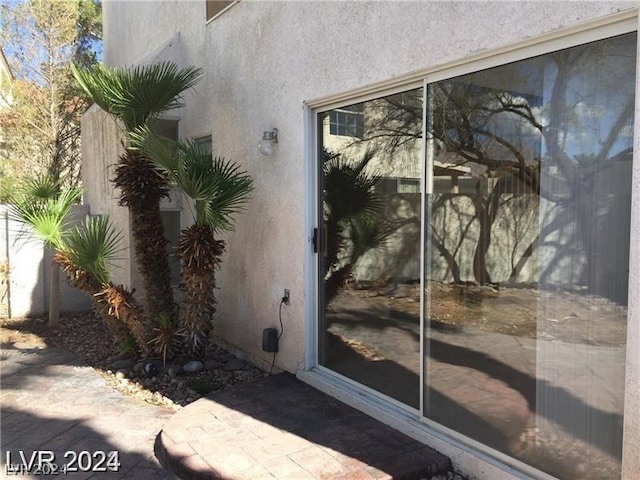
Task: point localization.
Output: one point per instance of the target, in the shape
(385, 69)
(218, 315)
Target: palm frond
(162, 151)
(135, 94)
(349, 191)
(41, 186)
(93, 246)
(232, 192)
(218, 187)
(44, 209)
(368, 232)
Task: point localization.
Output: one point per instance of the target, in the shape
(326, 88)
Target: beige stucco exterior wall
(101, 147)
(262, 61)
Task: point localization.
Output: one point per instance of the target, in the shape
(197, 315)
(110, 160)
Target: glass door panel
(527, 251)
(370, 179)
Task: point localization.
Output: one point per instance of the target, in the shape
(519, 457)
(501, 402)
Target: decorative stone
(122, 373)
(174, 370)
(235, 364)
(150, 369)
(212, 364)
(193, 366)
(120, 364)
(226, 357)
(139, 367)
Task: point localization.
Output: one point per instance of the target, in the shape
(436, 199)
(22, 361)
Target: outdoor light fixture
(269, 139)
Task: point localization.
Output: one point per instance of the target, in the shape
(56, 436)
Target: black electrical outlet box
(270, 340)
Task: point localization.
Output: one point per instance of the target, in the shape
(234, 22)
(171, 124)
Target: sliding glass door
(371, 170)
(528, 254)
(474, 253)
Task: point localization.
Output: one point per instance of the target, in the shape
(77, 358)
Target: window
(204, 143)
(522, 271)
(348, 121)
(215, 7)
(170, 205)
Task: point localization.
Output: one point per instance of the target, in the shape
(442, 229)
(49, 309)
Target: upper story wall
(331, 45)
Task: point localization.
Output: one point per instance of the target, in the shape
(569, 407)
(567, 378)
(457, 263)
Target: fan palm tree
(219, 191)
(82, 253)
(85, 255)
(134, 96)
(43, 201)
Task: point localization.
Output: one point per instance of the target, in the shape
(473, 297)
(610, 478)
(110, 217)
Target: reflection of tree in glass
(552, 130)
(569, 110)
(483, 128)
(394, 122)
(353, 216)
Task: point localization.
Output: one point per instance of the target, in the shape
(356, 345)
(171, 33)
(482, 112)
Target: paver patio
(51, 401)
(280, 428)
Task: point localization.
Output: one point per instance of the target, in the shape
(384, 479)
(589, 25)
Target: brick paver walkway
(280, 428)
(51, 401)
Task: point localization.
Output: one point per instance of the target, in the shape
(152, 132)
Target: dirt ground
(34, 338)
(522, 312)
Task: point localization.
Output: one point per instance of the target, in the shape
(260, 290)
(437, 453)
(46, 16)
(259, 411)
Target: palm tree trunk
(122, 315)
(142, 187)
(200, 253)
(54, 296)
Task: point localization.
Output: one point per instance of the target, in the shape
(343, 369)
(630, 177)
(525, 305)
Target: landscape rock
(226, 357)
(151, 369)
(121, 364)
(86, 334)
(122, 373)
(174, 370)
(193, 366)
(235, 364)
(212, 364)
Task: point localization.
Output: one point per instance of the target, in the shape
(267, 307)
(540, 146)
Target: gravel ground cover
(160, 384)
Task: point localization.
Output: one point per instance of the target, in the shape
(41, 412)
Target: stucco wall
(262, 60)
(101, 147)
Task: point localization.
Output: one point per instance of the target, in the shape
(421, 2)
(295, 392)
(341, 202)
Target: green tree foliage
(219, 191)
(134, 95)
(83, 253)
(41, 126)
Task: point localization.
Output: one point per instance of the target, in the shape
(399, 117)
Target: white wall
(30, 266)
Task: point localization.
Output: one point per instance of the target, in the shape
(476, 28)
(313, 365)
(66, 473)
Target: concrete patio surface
(51, 402)
(281, 428)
